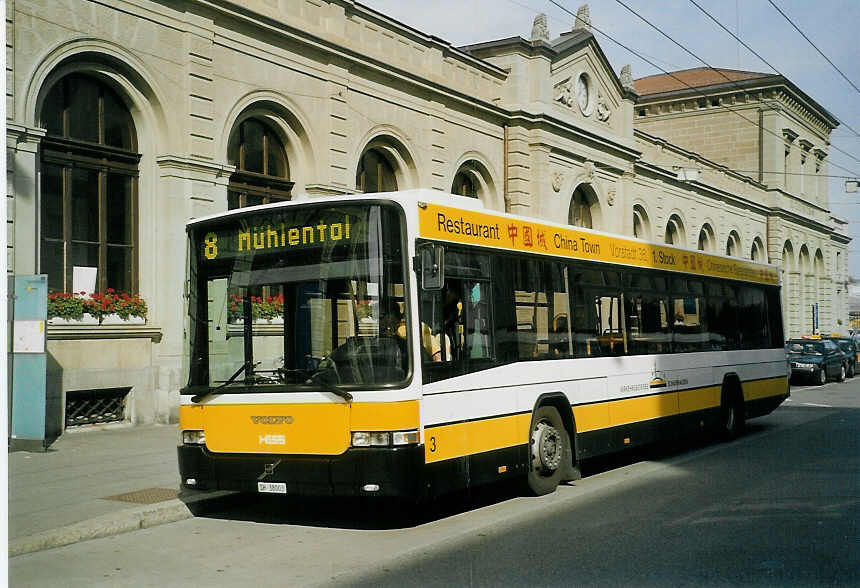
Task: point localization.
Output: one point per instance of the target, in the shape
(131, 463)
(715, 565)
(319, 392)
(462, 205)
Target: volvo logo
(272, 420)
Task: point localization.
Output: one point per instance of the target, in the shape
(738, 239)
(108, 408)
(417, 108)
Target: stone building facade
(126, 119)
(769, 130)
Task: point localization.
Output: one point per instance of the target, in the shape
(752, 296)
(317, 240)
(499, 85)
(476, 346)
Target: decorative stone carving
(603, 112)
(564, 93)
(540, 31)
(588, 172)
(610, 196)
(626, 78)
(583, 19)
(557, 181)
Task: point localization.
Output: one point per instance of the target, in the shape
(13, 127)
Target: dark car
(818, 359)
(848, 345)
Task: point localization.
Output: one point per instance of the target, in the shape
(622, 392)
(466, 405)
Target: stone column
(519, 172)
(188, 189)
(794, 303)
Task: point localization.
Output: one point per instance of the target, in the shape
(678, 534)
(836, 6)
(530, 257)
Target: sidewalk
(96, 482)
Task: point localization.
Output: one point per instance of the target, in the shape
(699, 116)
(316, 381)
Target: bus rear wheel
(548, 447)
(731, 417)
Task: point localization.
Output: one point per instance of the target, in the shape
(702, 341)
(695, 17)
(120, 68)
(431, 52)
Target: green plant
(268, 308)
(261, 308)
(130, 306)
(101, 304)
(72, 306)
(65, 305)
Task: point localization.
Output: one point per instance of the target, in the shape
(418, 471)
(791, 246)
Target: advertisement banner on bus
(487, 230)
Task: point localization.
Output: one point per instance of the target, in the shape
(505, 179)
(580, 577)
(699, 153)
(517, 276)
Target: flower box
(108, 308)
(264, 311)
(84, 319)
(114, 319)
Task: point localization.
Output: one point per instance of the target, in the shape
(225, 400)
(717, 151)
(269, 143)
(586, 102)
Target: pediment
(583, 83)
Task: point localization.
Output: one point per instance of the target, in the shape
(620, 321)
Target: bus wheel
(548, 447)
(731, 417)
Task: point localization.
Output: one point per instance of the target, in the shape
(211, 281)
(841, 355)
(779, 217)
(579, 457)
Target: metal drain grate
(146, 496)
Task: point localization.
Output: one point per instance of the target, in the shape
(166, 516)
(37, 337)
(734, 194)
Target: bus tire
(548, 448)
(731, 416)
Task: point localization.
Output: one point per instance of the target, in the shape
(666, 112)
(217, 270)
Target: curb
(123, 521)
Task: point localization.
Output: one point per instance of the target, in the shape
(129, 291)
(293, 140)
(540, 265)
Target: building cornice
(531, 119)
(326, 46)
(352, 8)
(707, 190)
(693, 156)
(773, 86)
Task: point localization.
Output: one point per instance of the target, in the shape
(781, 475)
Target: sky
(832, 25)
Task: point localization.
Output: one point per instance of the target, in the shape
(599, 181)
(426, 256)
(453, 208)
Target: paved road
(778, 507)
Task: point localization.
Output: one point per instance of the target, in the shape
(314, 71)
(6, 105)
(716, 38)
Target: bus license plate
(272, 487)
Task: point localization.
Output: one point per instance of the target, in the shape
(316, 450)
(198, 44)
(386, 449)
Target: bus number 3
(432, 444)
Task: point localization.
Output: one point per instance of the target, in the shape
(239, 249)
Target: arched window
(473, 180)
(706, 238)
(733, 244)
(375, 173)
(674, 231)
(641, 224)
(464, 185)
(757, 251)
(583, 208)
(89, 169)
(262, 170)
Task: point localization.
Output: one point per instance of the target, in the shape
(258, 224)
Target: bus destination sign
(278, 232)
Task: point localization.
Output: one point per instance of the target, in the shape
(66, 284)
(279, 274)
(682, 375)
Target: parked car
(817, 359)
(848, 345)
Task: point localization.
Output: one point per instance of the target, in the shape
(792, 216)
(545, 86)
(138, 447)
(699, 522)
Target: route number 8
(211, 249)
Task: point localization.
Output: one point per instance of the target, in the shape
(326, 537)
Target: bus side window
(477, 318)
(687, 306)
(647, 325)
(609, 328)
(431, 317)
(583, 329)
(561, 341)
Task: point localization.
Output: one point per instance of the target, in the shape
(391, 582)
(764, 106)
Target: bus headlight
(193, 437)
(404, 437)
(371, 438)
(383, 438)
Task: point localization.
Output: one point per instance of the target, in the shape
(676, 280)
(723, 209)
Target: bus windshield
(299, 298)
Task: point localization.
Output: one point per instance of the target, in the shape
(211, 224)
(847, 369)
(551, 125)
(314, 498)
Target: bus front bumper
(365, 471)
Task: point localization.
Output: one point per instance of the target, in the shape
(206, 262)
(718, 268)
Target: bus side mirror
(432, 259)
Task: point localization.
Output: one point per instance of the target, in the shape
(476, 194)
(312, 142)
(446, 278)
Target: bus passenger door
(455, 329)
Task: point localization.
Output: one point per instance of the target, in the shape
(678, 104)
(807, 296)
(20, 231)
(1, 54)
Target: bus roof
(459, 219)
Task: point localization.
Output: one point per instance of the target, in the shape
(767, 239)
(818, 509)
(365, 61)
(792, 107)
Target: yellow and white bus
(413, 343)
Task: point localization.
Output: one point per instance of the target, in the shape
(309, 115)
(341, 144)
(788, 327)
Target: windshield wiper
(329, 387)
(227, 382)
(328, 365)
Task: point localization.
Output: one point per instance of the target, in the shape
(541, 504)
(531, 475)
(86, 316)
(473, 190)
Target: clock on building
(583, 91)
